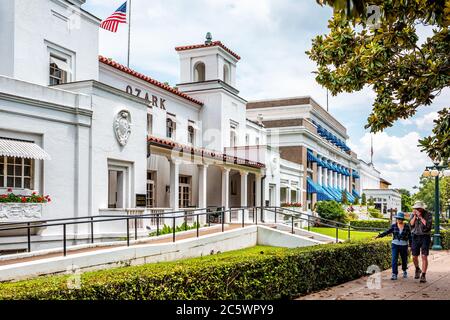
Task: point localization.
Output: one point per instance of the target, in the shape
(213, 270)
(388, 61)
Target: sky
(271, 36)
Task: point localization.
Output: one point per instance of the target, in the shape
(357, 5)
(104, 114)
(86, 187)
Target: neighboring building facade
(306, 134)
(388, 201)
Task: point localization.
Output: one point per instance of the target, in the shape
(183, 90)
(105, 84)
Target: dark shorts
(420, 243)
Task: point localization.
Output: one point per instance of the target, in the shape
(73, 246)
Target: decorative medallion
(122, 127)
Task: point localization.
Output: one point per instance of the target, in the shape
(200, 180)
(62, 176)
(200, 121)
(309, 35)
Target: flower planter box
(19, 213)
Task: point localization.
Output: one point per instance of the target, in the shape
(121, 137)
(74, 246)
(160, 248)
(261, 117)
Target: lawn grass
(343, 234)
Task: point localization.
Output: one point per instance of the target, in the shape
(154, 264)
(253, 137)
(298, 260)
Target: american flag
(112, 22)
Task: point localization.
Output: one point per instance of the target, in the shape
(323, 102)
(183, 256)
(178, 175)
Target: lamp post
(435, 171)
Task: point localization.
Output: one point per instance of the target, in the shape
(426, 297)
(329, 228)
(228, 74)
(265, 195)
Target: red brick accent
(168, 144)
(141, 76)
(212, 44)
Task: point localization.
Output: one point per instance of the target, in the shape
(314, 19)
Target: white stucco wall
(34, 26)
(59, 122)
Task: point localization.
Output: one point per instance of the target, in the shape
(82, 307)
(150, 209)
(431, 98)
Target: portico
(215, 180)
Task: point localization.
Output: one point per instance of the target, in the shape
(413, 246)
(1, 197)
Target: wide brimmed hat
(400, 215)
(419, 205)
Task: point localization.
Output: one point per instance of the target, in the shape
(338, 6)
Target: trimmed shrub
(445, 239)
(375, 213)
(331, 210)
(369, 224)
(263, 275)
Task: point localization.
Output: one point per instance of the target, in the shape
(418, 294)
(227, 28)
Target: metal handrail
(135, 218)
(337, 225)
(185, 213)
(149, 215)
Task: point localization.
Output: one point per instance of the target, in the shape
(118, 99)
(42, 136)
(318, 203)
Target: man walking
(421, 225)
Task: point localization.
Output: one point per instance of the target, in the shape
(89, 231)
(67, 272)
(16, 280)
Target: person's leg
(425, 252)
(415, 250)
(404, 257)
(424, 264)
(395, 252)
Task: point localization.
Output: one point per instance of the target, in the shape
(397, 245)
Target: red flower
(24, 199)
(9, 190)
(34, 193)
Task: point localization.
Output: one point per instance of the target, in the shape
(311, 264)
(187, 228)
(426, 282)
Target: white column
(202, 186)
(174, 184)
(225, 188)
(319, 175)
(330, 178)
(340, 181)
(335, 179)
(325, 177)
(244, 185)
(244, 193)
(258, 190)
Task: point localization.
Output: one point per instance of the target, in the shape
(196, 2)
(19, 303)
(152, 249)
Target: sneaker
(394, 277)
(405, 274)
(418, 272)
(423, 279)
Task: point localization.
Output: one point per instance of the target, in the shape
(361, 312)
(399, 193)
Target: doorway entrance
(115, 189)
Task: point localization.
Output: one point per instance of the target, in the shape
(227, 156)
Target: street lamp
(435, 171)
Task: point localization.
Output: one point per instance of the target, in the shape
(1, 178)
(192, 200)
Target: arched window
(226, 74)
(199, 72)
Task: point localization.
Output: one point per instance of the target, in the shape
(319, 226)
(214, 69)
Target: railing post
(128, 232)
(157, 224)
(29, 237)
(185, 221)
(92, 229)
(275, 214)
(64, 240)
(243, 218)
(348, 231)
(135, 229)
(198, 225)
(174, 227)
(337, 234)
(255, 213)
(223, 220)
(292, 223)
(308, 224)
(256, 218)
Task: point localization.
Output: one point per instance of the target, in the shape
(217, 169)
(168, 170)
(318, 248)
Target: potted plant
(21, 209)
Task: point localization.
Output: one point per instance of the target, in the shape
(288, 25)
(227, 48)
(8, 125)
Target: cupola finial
(208, 38)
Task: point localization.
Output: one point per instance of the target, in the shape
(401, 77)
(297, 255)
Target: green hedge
(445, 239)
(266, 274)
(379, 224)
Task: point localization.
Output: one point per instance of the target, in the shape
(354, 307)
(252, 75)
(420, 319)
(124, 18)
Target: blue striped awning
(355, 174)
(312, 157)
(355, 193)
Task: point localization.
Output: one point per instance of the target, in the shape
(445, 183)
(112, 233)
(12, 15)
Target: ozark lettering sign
(152, 99)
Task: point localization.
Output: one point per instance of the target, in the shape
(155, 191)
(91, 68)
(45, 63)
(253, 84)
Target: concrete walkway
(437, 287)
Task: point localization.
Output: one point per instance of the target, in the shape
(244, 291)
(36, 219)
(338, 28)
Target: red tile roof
(141, 76)
(212, 44)
(168, 144)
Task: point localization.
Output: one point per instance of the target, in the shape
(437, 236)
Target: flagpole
(129, 32)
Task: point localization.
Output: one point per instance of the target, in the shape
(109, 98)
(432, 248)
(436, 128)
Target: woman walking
(401, 233)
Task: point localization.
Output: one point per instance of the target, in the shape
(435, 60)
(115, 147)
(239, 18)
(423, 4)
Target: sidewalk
(437, 287)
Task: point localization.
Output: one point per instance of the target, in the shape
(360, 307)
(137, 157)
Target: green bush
(369, 224)
(168, 230)
(375, 213)
(266, 274)
(331, 210)
(445, 239)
